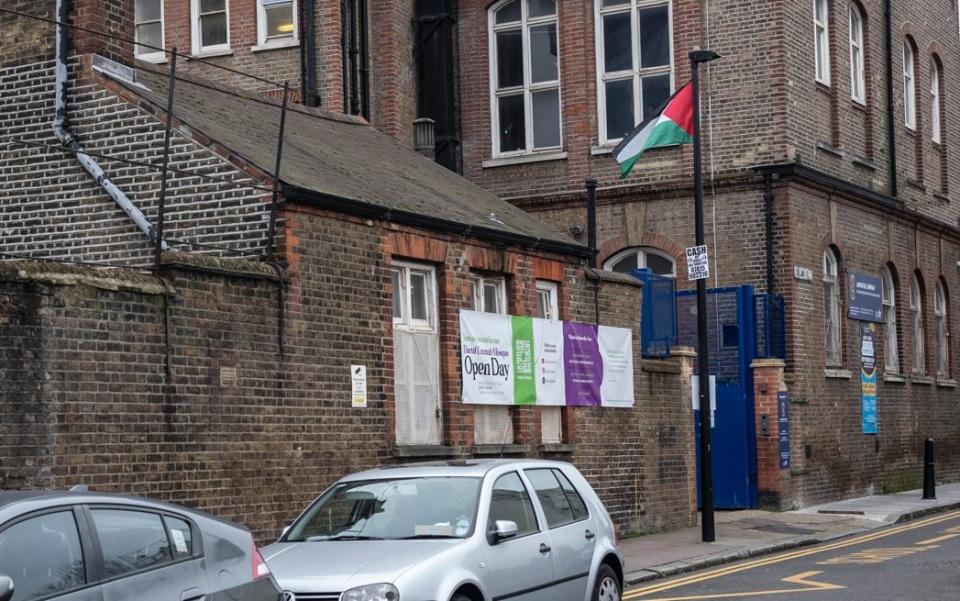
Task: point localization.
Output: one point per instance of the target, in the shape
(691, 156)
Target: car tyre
(607, 587)
(461, 597)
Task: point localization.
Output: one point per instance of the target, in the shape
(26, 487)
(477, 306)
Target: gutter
(61, 128)
(891, 124)
(367, 210)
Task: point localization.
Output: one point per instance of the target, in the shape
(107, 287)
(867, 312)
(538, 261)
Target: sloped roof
(345, 164)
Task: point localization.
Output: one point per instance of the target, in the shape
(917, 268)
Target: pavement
(750, 533)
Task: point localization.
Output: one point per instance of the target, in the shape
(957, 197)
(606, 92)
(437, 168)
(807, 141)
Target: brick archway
(650, 239)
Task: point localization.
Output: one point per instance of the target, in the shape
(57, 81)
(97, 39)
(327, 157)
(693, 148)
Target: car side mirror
(284, 531)
(6, 588)
(504, 529)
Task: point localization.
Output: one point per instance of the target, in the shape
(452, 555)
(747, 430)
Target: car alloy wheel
(608, 590)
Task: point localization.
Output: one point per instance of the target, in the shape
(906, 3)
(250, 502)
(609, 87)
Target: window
(42, 555)
(551, 418)
(211, 30)
(416, 354)
(576, 501)
(492, 424)
(891, 348)
(645, 257)
(634, 63)
(547, 300)
(130, 540)
(831, 308)
(556, 500)
(821, 28)
(511, 501)
(942, 330)
(909, 87)
(355, 54)
(276, 22)
(148, 29)
(934, 101)
(180, 535)
(857, 80)
(916, 312)
(525, 76)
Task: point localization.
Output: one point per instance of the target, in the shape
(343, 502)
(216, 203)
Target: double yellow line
(741, 567)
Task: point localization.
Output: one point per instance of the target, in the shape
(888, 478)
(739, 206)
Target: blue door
(732, 328)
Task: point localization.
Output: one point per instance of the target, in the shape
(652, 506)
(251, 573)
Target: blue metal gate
(732, 319)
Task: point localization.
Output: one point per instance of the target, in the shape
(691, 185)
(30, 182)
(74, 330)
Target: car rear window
(554, 501)
(576, 501)
(181, 537)
(130, 540)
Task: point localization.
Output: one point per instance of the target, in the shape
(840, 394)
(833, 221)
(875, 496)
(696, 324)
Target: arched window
(916, 314)
(524, 76)
(831, 307)
(891, 344)
(821, 33)
(634, 62)
(858, 88)
(942, 330)
(909, 87)
(934, 101)
(642, 257)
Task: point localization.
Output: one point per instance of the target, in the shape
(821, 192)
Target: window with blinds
(416, 355)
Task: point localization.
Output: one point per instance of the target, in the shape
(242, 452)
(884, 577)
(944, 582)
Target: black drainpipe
(891, 123)
(592, 220)
(768, 198)
(308, 54)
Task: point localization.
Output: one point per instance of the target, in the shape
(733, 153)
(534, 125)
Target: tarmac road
(918, 560)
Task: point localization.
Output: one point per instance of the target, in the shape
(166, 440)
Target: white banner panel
(486, 358)
(548, 355)
(616, 350)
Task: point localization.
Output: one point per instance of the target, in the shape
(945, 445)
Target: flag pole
(708, 533)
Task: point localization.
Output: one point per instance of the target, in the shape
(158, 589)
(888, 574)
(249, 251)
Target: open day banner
(510, 360)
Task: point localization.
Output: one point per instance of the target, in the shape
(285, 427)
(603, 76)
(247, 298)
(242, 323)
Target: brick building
(218, 373)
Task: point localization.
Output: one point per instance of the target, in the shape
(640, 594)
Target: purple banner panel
(583, 367)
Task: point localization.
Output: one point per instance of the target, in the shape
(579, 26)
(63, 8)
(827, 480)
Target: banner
(511, 360)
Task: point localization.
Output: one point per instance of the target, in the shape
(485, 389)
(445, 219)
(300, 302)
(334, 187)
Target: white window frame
(528, 87)
(195, 31)
(831, 309)
(478, 302)
(891, 352)
(636, 72)
(641, 252)
(279, 41)
(406, 324)
(916, 312)
(552, 291)
(935, 127)
(858, 89)
(821, 41)
(153, 56)
(942, 331)
(909, 87)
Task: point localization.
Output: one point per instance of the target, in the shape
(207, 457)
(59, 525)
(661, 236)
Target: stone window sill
(865, 163)
(951, 383)
(894, 378)
(556, 448)
(541, 157)
(922, 380)
(276, 45)
(212, 53)
(157, 58)
(601, 150)
(829, 149)
(916, 184)
(941, 197)
(501, 449)
(837, 373)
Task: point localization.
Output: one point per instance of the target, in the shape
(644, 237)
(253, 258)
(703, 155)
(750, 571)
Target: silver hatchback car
(458, 531)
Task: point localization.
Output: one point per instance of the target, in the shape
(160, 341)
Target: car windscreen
(408, 508)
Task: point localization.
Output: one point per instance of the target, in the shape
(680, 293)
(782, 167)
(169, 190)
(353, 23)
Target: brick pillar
(685, 357)
(112, 17)
(772, 482)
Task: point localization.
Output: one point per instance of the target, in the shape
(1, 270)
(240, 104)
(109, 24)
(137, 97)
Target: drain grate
(776, 527)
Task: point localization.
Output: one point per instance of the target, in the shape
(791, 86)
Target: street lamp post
(708, 533)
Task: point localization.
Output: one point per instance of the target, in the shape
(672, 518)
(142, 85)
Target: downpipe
(61, 128)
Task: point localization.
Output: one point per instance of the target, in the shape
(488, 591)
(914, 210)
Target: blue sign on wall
(866, 296)
(783, 427)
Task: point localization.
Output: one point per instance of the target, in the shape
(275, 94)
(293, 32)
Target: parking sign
(698, 264)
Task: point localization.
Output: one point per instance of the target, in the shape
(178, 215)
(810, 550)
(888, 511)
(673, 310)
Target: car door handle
(193, 594)
(589, 535)
(544, 548)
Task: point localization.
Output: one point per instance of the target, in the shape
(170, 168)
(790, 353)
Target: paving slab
(750, 533)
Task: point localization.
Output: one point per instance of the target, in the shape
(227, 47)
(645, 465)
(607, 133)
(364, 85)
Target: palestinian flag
(671, 124)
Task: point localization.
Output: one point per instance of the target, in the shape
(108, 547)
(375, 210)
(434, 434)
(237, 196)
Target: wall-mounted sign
(868, 379)
(866, 296)
(509, 360)
(802, 273)
(783, 427)
(698, 263)
(358, 386)
(695, 396)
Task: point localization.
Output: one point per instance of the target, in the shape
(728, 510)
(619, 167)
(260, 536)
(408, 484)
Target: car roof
(468, 468)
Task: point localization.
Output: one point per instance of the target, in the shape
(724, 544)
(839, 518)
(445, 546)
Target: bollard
(929, 484)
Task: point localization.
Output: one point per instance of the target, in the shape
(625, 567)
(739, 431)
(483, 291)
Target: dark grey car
(80, 546)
